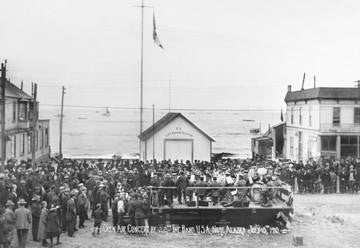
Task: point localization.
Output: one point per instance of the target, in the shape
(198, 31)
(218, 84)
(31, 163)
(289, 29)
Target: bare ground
(322, 221)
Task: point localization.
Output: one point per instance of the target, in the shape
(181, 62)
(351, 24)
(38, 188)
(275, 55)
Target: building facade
(18, 127)
(177, 138)
(322, 122)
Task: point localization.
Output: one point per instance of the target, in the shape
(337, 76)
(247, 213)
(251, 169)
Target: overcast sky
(218, 53)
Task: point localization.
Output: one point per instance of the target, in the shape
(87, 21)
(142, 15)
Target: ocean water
(86, 132)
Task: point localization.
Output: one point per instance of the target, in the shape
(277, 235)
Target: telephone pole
(34, 128)
(169, 96)
(141, 74)
(153, 131)
(61, 121)
(3, 135)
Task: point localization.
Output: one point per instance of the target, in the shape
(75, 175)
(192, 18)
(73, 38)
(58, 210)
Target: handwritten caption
(196, 230)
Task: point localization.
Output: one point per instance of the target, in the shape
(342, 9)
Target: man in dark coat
(82, 202)
(71, 214)
(4, 193)
(35, 214)
(103, 195)
(138, 211)
(114, 210)
(181, 184)
(215, 193)
(64, 197)
(168, 182)
(201, 192)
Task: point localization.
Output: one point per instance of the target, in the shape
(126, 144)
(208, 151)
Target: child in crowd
(98, 215)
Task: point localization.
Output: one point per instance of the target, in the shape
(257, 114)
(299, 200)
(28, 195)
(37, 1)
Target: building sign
(178, 131)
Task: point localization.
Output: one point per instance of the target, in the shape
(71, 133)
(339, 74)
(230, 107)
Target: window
(13, 146)
(29, 143)
(292, 115)
(46, 137)
(300, 116)
(22, 144)
(328, 143)
(349, 146)
(291, 145)
(14, 112)
(310, 117)
(357, 115)
(41, 138)
(22, 111)
(36, 140)
(336, 116)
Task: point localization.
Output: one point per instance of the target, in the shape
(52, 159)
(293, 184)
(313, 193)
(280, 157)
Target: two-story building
(18, 127)
(322, 122)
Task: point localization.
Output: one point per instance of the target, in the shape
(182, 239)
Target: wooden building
(175, 137)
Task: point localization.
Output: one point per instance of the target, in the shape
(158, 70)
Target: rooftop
(166, 119)
(323, 93)
(13, 91)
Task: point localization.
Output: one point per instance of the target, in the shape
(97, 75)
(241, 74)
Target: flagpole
(141, 74)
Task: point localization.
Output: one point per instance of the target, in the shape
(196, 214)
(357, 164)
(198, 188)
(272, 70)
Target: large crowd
(61, 195)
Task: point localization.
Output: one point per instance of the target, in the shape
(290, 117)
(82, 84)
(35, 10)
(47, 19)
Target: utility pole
(169, 96)
(61, 121)
(34, 127)
(141, 73)
(153, 131)
(3, 135)
(303, 82)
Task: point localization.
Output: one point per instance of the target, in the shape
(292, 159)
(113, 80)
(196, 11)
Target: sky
(218, 54)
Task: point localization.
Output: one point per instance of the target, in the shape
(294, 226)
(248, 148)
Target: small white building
(322, 122)
(177, 138)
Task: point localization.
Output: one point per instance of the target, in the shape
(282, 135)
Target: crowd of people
(62, 194)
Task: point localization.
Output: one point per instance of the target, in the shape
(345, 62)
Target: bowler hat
(9, 203)
(22, 202)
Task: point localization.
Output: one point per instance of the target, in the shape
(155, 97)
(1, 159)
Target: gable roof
(324, 93)
(13, 91)
(166, 119)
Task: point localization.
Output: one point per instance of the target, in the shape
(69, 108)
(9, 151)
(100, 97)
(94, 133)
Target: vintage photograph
(180, 123)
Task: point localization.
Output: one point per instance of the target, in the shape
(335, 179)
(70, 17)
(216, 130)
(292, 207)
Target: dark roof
(13, 91)
(166, 119)
(324, 93)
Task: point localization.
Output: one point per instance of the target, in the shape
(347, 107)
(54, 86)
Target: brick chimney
(289, 88)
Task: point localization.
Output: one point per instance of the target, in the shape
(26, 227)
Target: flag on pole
(281, 116)
(155, 36)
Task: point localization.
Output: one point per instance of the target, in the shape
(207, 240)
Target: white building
(175, 137)
(18, 127)
(322, 122)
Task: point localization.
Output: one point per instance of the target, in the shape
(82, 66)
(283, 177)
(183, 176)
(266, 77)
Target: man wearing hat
(168, 182)
(71, 214)
(23, 222)
(83, 205)
(21, 190)
(35, 213)
(104, 201)
(182, 183)
(9, 216)
(114, 211)
(64, 197)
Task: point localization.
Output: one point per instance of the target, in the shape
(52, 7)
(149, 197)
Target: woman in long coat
(42, 224)
(53, 227)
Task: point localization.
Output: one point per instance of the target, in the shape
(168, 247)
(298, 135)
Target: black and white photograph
(179, 123)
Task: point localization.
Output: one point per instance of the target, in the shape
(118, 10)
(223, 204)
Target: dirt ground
(322, 221)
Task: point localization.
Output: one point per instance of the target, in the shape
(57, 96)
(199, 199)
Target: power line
(164, 109)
